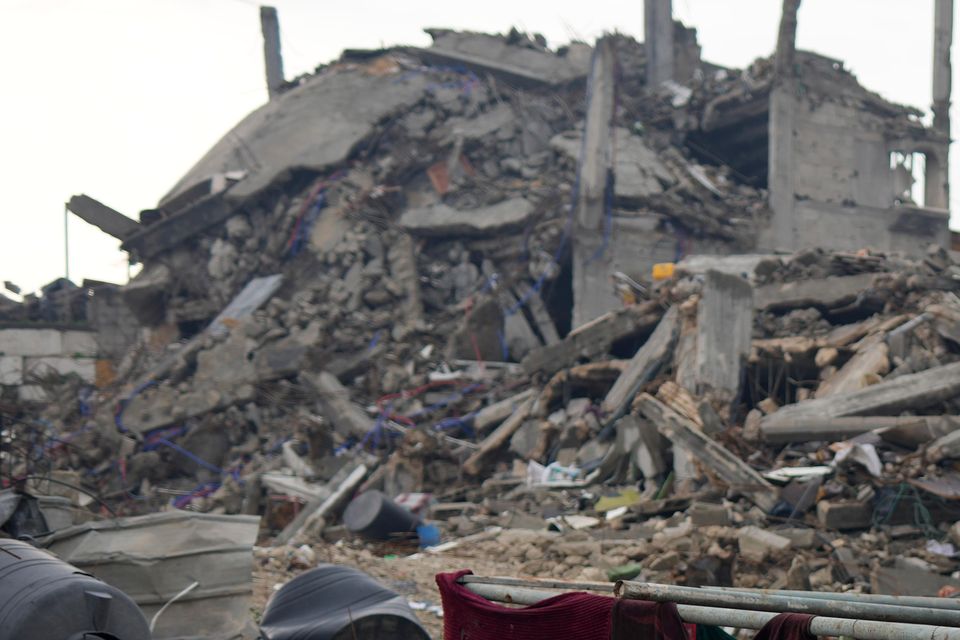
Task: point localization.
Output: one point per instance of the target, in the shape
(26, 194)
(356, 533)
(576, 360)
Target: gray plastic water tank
(43, 598)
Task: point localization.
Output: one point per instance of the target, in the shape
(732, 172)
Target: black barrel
(373, 515)
(43, 598)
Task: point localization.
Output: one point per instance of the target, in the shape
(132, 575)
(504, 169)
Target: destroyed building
(687, 318)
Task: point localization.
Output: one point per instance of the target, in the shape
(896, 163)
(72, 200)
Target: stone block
(31, 342)
(844, 515)
(704, 514)
(757, 544)
(799, 538)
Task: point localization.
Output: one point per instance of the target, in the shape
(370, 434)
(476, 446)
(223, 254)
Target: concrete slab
(313, 126)
(443, 220)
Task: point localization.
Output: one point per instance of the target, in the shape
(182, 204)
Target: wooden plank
(645, 364)
(720, 461)
(311, 521)
(498, 438)
(856, 373)
(913, 391)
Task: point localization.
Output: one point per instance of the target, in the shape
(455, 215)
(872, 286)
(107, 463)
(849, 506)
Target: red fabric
(642, 620)
(573, 616)
(787, 626)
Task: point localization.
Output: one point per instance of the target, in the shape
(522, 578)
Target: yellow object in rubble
(663, 270)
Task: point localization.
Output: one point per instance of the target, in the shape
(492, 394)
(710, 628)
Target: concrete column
(782, 232)
(658, 40)
(937, 182)
(787, 39)
(592, 248)
(272, 60)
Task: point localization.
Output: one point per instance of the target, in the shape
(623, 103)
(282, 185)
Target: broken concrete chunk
(443, 220)
(521, 66)
(756, 544)
(844, 515)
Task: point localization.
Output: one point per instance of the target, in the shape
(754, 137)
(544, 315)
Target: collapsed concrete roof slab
(442, 220)
(313, 126)
(106, 219)
(521, 66)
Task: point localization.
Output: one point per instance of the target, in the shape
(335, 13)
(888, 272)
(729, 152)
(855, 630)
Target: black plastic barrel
(44, 598)
(373, 515)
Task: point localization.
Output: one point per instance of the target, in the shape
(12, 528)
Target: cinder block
(80, 343)
(31, 393)
(31, 342)
(11, 370)
(84, 367)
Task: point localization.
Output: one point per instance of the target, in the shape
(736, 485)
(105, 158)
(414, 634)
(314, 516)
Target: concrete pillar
(592, 248)
(272, 60)
(787, 39)
(780, 164)
(937, 182)
(658, 40)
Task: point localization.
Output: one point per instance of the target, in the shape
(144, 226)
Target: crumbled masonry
(371, 283)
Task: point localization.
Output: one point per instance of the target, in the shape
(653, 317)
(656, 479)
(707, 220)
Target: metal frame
(740, 608)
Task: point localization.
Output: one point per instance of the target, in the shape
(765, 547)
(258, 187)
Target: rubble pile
(379, 298)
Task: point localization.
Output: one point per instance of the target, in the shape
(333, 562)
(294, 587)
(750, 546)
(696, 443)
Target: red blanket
(571, 616)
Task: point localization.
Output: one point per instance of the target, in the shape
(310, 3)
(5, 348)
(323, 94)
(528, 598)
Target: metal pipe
(607, 587)
(539, 583)
(794, 604)
(744, 619)
(928, 602)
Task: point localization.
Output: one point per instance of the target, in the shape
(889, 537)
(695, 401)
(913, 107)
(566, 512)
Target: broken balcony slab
(912, 391)
(338, 108)
(520, 66)
(444, 220)
(108, 220)
(152, 240)
(834, 291)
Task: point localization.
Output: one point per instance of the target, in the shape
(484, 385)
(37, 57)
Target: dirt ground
(400, 568)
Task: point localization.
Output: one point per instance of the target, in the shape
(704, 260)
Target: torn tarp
(153, 558)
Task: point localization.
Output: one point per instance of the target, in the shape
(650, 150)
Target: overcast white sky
(118, 98)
